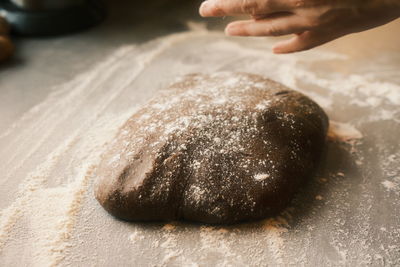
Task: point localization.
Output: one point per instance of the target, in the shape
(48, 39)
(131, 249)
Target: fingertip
(277, 49)
(283, 47)
(232, 29)
(283, 50)
(228, 31)
(291, 45)
(209, 8)
(203, 9)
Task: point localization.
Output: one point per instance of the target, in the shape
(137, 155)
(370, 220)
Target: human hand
(314, 22)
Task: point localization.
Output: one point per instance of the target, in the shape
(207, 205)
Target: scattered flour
(389, 185)
(261, 176)
(46, 182)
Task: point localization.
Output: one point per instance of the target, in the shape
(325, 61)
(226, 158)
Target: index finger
(218, 8)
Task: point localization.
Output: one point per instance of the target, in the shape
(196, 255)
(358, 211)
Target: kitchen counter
(62, 99)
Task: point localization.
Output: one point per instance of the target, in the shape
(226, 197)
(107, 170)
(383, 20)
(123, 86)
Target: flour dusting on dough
(261, 176)
(57, 170)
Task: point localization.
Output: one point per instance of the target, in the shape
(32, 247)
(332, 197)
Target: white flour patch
(45, 182)
(263, 105)
(261, 176)
(136, 236)
(389, 185)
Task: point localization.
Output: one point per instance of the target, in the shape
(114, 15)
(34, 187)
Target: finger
(267, 27)
(218, 8)
(303, 41)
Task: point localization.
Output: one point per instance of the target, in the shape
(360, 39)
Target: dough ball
(219, 148)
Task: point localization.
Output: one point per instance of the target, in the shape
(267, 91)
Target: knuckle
(321, 16)
(299, 3)
(250, 7)
(313, 22)
(273, 31)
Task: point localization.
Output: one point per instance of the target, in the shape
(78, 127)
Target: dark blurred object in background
(6, 46)
(51, 17)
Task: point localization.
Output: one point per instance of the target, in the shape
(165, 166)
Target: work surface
(63, 99)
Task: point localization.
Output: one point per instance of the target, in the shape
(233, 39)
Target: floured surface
(348, 214)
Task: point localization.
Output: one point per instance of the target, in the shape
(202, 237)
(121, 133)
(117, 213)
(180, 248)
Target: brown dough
(220, 148)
